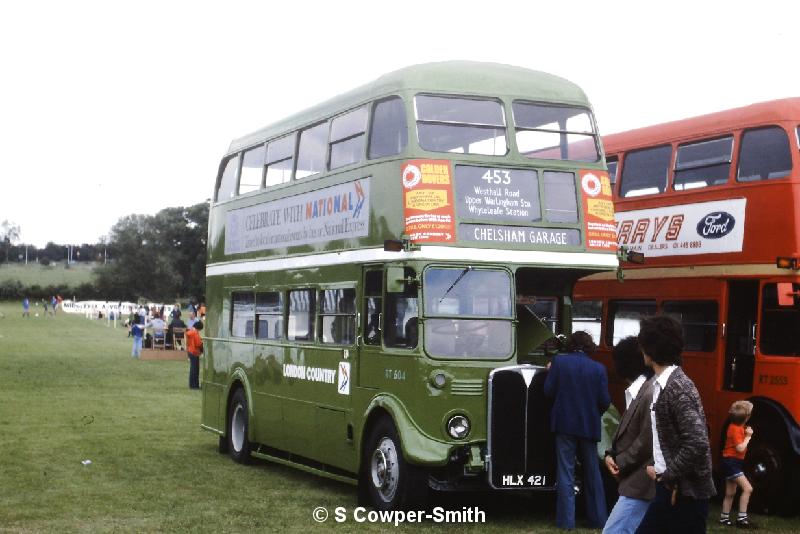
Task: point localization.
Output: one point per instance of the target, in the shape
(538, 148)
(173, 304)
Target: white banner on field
(684, 229)
(337, 212)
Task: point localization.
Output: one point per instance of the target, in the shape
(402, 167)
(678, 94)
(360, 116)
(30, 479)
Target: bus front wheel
(238, 427)
(390, 481)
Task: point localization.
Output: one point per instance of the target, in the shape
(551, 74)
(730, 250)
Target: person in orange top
(737, 439)
(194, 346)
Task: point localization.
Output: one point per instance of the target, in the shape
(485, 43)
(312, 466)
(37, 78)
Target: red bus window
(624, 317)
(703, 164)
(587, 315)
(612, 170)
(779, 331)
(644, 172)
(764, 155)
(699, 321)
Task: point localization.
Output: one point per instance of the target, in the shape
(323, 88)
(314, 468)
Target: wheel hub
(237, 428)
(384, 469)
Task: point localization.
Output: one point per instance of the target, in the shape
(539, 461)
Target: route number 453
(497, 176)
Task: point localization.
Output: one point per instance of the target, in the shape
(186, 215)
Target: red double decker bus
(713, 202)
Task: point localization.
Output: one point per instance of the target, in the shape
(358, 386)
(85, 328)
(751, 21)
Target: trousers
(567, 449)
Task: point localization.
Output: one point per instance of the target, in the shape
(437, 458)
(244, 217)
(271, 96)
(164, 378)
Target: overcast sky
(110, 108)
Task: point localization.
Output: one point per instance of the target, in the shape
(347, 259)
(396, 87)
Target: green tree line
(157, 257)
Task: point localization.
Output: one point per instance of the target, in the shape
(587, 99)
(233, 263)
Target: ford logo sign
(715, 225)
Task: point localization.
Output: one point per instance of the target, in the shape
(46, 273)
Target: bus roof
(704, 125)
(457, 77)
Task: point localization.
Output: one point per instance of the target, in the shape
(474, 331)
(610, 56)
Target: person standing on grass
(194, 347)
(192, 319)
(26, 307)
(737, 438)
(632, 447)
(137, 330)
(681, 450)
(578, 386)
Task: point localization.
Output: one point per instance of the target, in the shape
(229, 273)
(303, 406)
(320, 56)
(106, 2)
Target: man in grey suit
(632, 447)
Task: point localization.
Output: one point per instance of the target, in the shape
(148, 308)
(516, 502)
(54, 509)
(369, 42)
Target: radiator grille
(520, 445)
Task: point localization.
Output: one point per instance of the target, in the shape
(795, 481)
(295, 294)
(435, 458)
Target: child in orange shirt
(737, 439)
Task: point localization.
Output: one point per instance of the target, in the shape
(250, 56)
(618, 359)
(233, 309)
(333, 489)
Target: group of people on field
(49, 307)
(660, 454)
(194, 343)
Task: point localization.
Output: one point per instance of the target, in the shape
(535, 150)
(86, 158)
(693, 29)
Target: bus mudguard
(769, 405)
(418, 447)
(238, 375)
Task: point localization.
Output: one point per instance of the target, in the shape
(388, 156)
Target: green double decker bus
(382, 267)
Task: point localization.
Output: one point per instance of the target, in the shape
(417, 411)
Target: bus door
(389, 329)
(371, 326)
(740, 335)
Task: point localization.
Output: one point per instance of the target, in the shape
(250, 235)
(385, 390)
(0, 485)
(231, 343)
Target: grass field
(55, 274)
(69, 392)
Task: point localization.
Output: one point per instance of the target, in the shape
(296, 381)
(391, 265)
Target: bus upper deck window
(703, 163)
(764, 155)
(644, 172)
(311, 154)
(228, 178)
(389, 133)
(252, 169)
(461, 125)
(280, 160)
(347, 137)
(554, 132)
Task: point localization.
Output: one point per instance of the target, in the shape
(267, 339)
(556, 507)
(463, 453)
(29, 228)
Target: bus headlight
(458, 427)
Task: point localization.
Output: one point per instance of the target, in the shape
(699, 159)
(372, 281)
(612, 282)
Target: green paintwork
(311, 419)
(449, 77)
(420, 448)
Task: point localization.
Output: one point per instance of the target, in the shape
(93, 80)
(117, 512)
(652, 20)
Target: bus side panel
(266, 379)
(214, 360)
(314, 414)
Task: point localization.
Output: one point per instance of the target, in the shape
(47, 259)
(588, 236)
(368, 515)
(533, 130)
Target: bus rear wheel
(239, 446)
(770, 466)
(391, 483)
